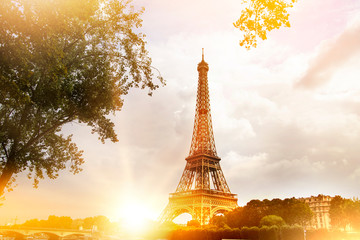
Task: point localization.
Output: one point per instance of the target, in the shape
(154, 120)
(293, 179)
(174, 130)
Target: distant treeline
(102, 223)
(257, 213)
(344, 213)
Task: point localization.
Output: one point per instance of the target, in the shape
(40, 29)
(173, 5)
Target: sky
(286, 115)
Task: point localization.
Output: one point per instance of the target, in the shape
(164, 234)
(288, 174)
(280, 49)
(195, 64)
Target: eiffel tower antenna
(202, 191)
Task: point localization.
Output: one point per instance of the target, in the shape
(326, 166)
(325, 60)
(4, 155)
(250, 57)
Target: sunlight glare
(182, 219)
(134, 216)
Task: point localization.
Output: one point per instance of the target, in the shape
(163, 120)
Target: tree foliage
(219, 221)
(51, 222)
(102, 223)
(193, 223)
(64, 61)
(291, 210)
(260, 17)
(345, 212)
(338, 212)
(272, 220)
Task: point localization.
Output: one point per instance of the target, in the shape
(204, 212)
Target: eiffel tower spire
(202, 190)
(203, 137)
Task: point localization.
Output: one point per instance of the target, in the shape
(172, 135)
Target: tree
(260, 17)
(338, 212)
(51, 222)
(294, 211)
(254, 211)
(344, 212)
(102, 223)
(59, 222)
(64, 61)
(249, 215)
(291, 210)
(218, 220)
(193, 223)
(272, 220)
(32, 223)
(354, 213)
(234, 218)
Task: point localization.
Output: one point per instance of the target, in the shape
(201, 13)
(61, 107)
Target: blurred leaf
(260, 17)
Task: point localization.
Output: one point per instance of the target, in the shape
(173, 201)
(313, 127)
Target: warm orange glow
(134, 216)
(182, 219)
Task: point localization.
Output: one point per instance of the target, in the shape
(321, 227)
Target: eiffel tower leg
(166, 214)
(173, 210)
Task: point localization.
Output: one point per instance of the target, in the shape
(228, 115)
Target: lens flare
(134, 216)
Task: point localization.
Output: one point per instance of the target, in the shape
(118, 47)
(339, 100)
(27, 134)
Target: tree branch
(35, 139)
(6, 153)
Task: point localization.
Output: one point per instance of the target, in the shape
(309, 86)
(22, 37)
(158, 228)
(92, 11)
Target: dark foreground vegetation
(263, 233)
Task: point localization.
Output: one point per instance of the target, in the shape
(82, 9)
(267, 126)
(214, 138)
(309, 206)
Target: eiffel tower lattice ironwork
(202, 191)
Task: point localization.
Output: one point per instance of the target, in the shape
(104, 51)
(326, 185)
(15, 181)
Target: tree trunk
(6, 175)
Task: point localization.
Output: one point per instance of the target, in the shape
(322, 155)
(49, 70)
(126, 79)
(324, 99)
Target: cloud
(332, 56)
(302, 144)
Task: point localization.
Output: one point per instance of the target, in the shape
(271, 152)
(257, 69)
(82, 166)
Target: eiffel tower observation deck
(202, 191)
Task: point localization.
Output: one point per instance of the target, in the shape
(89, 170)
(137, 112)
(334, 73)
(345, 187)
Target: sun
(134, 216)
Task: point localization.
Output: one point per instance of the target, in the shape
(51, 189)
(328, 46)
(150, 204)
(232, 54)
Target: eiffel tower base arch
(202, 205)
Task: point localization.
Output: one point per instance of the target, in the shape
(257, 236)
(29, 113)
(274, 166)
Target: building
(320, 206)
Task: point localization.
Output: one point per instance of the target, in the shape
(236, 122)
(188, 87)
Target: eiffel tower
(202, 191)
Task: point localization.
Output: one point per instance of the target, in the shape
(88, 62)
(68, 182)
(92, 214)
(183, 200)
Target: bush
(253, 233)
(230, 233)
(250, 233)
(292, 233)
(269, 233)
(272, 220)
